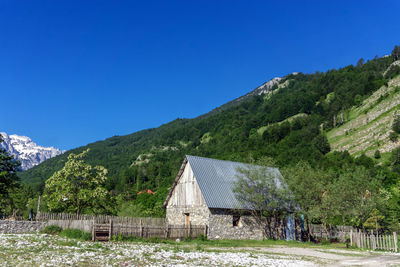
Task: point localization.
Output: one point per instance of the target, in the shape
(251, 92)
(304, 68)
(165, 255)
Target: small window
(236, 221)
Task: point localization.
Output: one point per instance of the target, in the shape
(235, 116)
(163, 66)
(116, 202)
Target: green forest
(288, 126)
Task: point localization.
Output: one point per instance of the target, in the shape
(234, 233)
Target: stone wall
(221, 226)
(20, 227)
(198, 215)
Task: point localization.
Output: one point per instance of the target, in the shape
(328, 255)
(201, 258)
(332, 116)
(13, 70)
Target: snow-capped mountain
(26, 151)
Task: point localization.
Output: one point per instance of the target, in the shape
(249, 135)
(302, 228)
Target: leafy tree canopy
(77, 187)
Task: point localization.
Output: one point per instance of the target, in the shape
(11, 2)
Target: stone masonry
(20, 227)
(221, 226)
(198, 215)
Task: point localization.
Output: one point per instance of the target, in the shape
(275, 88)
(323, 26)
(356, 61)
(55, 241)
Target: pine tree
(8, 169)
(8, 178)
(396, 53)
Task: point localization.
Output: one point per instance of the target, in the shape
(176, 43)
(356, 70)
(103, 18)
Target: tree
(310, 189)
(396, 124)
(358, 100)
(360, 62)
(393, 136)
(8, 176)
(396, 53)
(356, 194)
(77, 187)
(395, 158)
(322, 144)
(264, 193)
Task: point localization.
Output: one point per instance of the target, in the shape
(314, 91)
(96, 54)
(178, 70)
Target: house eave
(178, 176)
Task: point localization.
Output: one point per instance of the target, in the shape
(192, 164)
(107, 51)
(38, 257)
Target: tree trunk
(324, 224)
(308, 230)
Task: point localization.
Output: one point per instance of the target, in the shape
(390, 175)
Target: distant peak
(26, 151)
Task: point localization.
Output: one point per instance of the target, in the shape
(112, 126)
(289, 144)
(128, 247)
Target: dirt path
(333, 257)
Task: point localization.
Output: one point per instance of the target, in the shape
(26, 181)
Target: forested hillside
(288, 124)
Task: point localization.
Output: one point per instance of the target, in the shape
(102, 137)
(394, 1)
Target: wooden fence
(126, 226)
(47, 216)
(340, 232)
(169, 231)
(374, 241)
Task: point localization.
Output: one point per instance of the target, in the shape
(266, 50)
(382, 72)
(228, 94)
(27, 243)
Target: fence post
(38, 210)
(351, 237)
(166, 232)
(372, 240)
(395, 241)
(110, 230)
(379, 240)
(385, 242)
(93, 231)
(141, 228)
(362, 239)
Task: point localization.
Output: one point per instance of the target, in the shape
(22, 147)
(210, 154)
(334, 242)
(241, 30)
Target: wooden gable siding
(187, 191)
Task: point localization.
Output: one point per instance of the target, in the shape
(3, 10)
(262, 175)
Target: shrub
(393, 136)
(396, 124)
(187, 239)
(201, 238)
(51, 230)
(76, 234)
(377, 154)
(325, 242)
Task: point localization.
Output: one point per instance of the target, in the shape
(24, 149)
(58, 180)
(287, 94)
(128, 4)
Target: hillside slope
(151, 158)
(366, 127)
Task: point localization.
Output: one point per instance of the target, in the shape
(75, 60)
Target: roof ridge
(238, 162)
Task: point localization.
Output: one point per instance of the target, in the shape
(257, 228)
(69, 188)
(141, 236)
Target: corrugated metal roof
(216, 180)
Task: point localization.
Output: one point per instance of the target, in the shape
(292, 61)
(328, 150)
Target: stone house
(202, 195)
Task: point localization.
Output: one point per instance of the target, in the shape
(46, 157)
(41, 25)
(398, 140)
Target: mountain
(265, 88)
(287, 119)
(26, 151)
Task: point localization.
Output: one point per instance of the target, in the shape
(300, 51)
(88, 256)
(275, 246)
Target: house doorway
(187, 219)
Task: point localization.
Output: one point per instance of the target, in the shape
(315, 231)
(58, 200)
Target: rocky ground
(46, 250)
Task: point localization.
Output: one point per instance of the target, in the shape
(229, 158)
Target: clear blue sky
(74, 72)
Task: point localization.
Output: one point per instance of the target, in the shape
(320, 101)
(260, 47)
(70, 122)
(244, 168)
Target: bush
(201, 238)
(187, 239)
(51, 230)
(325, 242)
(76, 234)
(396, 124)
(377, 154)
(393, 136)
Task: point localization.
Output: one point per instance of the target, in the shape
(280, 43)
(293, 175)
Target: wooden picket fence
(103, 227)
(48, 216)
(374, 241)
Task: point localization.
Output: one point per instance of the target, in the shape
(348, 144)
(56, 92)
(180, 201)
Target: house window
(236, 221)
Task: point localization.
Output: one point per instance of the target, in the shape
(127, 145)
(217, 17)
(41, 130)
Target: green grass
(76, 234)
(51, 230)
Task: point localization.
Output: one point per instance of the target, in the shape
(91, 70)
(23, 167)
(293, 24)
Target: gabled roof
(216, 180)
